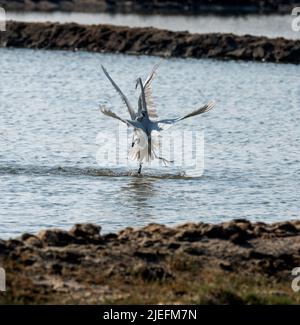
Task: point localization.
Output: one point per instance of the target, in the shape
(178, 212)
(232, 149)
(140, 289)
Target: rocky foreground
(155, 6)
(148, 41)
(237, 262)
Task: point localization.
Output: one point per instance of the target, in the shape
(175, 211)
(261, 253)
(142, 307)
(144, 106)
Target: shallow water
(49, 175)
(266, 25)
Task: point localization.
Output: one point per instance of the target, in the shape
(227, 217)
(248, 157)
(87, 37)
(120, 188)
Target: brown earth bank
(148, 41)
(236, 262)
(155, 6)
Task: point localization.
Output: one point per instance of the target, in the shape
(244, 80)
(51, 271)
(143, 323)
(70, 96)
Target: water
(266, 25)
(49, 176)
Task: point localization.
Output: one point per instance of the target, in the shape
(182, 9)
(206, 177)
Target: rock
(233, 228)
(31, 240)
(12, 244)
(150, 256)
(152, 273)
(86, 233)
(56, 268)
(258, 53)
(109, 237)
(288, 259)
(34, 241)
(174, 245)
(190, 232)
(85, 230)
(194, 250)
(148, 41)
(213, 231)
(29, 261)
(238, 238)
(228, 230)
(160, 230)
(237, 54)
(189, 235)
(126, 233)
(26, 236)
(296, 224)
(70, 257)
(56, 237)
(253, 254)
(285, 229)
(243, 224)
(226, 266)
(260, 230)
(148, 243)
(3, 247)
(289, 55)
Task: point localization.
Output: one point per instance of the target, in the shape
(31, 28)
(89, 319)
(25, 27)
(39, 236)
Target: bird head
(137, 82)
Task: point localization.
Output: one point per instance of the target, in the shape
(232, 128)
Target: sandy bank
(233, 262)
(149, 41)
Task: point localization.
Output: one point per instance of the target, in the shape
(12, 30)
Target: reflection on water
(140, 193)
(266, 25)
(49, 175)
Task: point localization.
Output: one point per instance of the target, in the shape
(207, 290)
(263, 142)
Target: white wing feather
(152, 113)
(166, 124)
(109, 113)
(124, 98)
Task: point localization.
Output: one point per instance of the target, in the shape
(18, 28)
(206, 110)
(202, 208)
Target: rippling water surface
(261, 25)
(49, 176)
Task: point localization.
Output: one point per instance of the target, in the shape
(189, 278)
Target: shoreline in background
(149, 41)
(190, 7)
(259, 25)
(236, 262)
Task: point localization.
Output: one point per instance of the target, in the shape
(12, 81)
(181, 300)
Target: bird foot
(140, 169)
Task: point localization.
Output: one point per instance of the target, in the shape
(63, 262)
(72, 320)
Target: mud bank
(234, 262)
(154, 6)
(148, 41)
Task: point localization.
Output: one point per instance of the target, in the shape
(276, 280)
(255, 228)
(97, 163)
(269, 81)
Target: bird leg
(140, 169)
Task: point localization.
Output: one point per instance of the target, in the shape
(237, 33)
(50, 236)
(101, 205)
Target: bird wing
(124, 98)
(165, 124)
(142, 100)
(109, 113)
(148, 95)
(207, 107)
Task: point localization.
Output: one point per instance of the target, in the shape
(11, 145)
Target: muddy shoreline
(222, 7)
(236, 262)
(148, 41)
